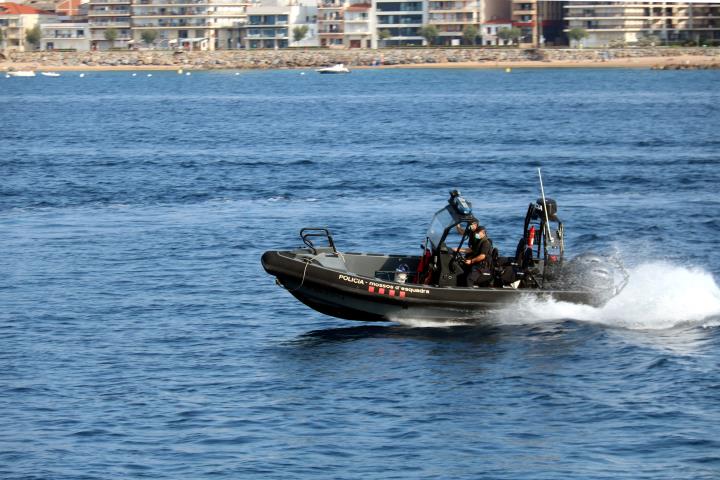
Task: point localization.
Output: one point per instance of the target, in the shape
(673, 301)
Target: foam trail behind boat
(658, 296)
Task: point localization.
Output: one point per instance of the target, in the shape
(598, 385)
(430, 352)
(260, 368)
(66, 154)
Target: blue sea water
(140, 337)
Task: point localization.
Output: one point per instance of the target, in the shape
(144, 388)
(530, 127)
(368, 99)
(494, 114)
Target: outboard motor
(587, 272)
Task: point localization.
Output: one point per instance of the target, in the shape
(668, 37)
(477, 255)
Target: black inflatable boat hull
(355, 297)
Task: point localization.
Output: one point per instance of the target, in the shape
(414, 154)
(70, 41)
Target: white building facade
(189, 24)
(65, 36)
(616, 23)
(274, 26)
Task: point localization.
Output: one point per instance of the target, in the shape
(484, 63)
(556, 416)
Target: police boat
(433, 285)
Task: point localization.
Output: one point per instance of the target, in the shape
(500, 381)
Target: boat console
(538, 257)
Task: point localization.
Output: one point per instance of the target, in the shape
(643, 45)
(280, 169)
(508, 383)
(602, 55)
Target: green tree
(33, 36)
(513, 34)
(429, 33)
(504, 34)
(383, 35)
(649, 41)
(148, 36)
(111, 34)
(470, 33)
(576, 34)
(300, 32)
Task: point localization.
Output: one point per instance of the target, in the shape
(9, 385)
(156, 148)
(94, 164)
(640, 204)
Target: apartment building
(400, 21)
(331, 23)
(541, 22)
(16, 20)
(359, 26)
(190, 24)
(452, 17)
(110, 24)
(65, 36)
(610, 23)
(346, 24)
(273, 26)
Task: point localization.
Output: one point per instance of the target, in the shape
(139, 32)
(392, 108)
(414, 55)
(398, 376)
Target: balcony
(109, 2)
(173, 3)
(519, 13)
(108, 13)
(595, 14)
(451, 6)
(261, 36)
(120, 38)
(433, 21)
(170, 13)
(454, 10)
(63, 36)
(174, 24)
(110, 25)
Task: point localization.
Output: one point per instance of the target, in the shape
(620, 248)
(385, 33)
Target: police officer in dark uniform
(479, 258)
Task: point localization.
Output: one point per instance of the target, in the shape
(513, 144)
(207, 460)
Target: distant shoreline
(394, 59)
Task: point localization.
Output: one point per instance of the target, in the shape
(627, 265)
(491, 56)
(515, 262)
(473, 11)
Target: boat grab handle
(308, 233)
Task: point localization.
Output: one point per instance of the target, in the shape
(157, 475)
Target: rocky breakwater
(715, 65)
(311, 58)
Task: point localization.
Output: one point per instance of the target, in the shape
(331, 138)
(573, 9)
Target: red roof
(10, 8)
(358, 7)
(68, 7)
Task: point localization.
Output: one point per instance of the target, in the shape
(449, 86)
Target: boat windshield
(442, 220)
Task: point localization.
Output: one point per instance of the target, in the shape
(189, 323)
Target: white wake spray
(658, 296)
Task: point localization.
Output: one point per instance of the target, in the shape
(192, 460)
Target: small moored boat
(433, 286)
(50, 74)
(22, 73)
(337, 68)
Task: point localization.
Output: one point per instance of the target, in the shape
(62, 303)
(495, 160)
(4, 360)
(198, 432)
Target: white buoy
(82, 75)
(187, 74)
(508, 70)
(180, 71)
(134, 74)
(149, 75)
(237, 73)
(302, 73)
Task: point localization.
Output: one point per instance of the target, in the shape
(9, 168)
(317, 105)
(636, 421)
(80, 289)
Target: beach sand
(635, 62)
